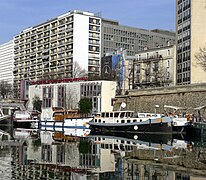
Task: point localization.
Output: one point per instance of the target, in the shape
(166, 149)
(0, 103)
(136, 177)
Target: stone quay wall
(146, 100)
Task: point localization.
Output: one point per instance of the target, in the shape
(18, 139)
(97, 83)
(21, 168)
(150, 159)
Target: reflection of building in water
(144, 169)
(102, 157)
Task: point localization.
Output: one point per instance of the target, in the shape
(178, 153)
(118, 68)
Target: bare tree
(78, 71)
(201, 58)
(5, 89)
(161, 76)
(71, 99)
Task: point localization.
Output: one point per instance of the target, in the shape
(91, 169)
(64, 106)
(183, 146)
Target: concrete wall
(144, 100)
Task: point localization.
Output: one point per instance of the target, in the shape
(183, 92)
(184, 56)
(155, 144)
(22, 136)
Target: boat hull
(149, 126)
(29, 124)
(78, 123)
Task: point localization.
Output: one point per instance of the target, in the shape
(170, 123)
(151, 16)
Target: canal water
(76, 154)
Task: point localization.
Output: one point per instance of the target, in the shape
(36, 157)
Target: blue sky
(16, 15)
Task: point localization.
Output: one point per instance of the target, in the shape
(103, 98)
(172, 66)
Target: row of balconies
(41, 51)
(41, 58)
(45, 35)
(94, 62)
(39, 69)
(40, 47)
(95, 35)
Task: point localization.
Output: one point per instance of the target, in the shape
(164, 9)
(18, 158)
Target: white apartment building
(68, 94)
(50, 50)
(7, 62)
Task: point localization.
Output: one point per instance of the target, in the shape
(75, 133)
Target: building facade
(151, 68)
(7, 62)
(67, 95)
(50, 50)
(53, 49)
(191, 36)
(116, 36)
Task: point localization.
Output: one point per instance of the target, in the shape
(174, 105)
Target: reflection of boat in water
(58, 118)
(22, 133)
(125, 121)
(126, 141)
(68, 131)
(69, 134)
(25, 119)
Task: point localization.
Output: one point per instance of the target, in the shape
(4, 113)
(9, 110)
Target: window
(168, 52)
(61, 96)
(47, 96)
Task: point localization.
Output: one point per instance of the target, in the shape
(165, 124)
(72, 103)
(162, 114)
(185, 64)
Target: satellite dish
(123, 105)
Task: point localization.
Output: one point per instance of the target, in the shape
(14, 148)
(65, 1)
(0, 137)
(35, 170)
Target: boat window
(140, 120)
(111, 114)
(103, 121)
(95, 120)
(117, 121)
(106, 146)
(122, 114)
(58, 113)
(121, 147)
(99, 120)
(107, 114)
(141, 115)
(128, 121)
(116, 114)
(103, 114)
(122, 121)
(134, 120)
(127, 114)
(116, 147)
(110, 146)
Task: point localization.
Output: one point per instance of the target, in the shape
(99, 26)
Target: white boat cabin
(123, 117)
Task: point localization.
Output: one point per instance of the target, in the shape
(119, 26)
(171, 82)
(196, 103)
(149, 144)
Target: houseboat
(57, 118)
(182, 121)
(127, 121)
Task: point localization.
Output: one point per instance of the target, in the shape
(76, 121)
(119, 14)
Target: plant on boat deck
(85, 106)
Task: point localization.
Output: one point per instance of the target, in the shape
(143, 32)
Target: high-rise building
(50, 50)
(7, 61)
(191, 36)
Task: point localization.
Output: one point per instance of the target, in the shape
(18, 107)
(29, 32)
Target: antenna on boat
(123, 105)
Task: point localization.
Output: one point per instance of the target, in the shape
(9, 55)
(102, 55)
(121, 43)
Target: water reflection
(76, 154)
